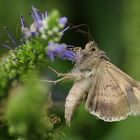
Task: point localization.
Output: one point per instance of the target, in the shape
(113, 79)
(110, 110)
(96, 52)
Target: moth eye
(93, 49)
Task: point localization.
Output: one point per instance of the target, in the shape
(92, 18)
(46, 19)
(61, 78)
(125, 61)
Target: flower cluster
(47, 27)
(50, 28)
(60, 50)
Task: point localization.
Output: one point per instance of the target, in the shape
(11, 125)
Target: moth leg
(58, 74)
(54, 81)
(65, 76)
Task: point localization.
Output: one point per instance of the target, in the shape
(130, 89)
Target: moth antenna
(5, 46)
(10, 37)
(81, 31)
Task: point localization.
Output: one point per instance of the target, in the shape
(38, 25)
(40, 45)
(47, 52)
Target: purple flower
(63, 20)
(39, 19)
(23, 22)
(37, 26)
(60, 50)
(36, 15)
(41, 25)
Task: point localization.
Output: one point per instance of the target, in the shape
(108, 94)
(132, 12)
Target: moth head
(92, 50)
(90, 55)
(91, 47)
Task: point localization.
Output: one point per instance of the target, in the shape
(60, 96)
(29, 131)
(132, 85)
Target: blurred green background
(115, 26)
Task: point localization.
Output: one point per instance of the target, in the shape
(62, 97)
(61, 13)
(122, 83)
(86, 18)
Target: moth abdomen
(75, 97)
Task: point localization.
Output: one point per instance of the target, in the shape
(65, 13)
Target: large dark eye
(93, 49)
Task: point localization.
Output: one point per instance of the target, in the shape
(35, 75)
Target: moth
(109, 93)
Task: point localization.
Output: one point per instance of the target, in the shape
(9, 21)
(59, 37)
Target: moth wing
(129, 86)
(106, 99)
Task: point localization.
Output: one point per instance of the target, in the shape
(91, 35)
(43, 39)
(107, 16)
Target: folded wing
(114, 95)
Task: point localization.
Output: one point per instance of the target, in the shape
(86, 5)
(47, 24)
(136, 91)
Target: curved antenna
(87, 33)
